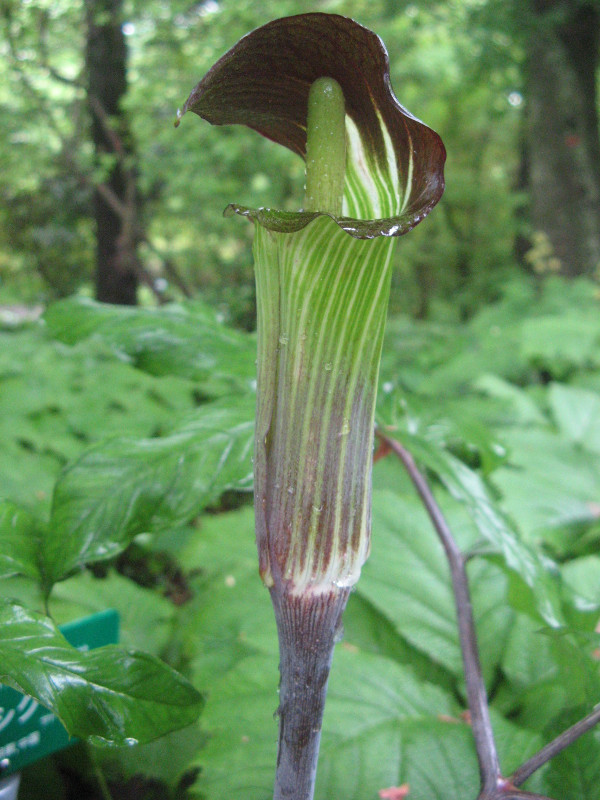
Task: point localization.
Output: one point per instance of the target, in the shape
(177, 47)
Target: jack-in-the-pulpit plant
(319, 85)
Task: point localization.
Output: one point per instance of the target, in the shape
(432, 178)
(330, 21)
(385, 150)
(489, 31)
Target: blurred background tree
(89, 90)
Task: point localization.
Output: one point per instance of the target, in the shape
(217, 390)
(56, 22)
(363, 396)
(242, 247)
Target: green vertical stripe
(316, 396)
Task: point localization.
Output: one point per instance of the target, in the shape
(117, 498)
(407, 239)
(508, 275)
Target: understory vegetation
(503, 414)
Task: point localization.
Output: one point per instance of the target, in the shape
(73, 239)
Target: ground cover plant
(396, 687)
(396, 721)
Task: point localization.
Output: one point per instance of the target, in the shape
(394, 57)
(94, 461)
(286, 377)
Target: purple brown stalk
(322, 285)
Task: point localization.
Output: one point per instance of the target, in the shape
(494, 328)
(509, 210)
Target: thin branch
(494, 786)
(556, 746)
(124, 210)
(104, 119)
(487, 755)
(44, 50)
(168, 266)
(99, 774)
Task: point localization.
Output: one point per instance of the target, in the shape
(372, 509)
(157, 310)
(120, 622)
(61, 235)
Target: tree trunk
(114, 200)
(562, 132)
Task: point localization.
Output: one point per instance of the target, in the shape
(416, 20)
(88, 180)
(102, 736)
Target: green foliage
(454, 64)
(109, 695)
(508, 434)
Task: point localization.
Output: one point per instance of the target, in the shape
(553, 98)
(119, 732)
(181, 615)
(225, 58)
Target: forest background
(93, 172)
(491, 364)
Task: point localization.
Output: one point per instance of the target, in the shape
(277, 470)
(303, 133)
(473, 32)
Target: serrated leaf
(441, 763)
(55, 401)
(371, 700)
(408, 580)
(373, 704)
(108, 695)
(549, 484)
(186, 340)
(466, 486)
(382, 727)
(125, 487)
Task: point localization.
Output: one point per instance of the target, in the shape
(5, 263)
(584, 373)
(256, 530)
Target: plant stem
(308, 627)
(99, 775)
(487, 755)
(556, 746)
(493, 785)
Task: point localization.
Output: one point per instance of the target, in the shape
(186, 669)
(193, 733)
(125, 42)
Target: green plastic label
(28, 731)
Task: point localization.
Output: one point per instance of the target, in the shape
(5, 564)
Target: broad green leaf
(394, 162)
(408, 580)
(370, 702)
(56, 401)
(382, 727)
(125, 487)
(527, 659)
(145, 618)
(230, 615)
(465, 424)
(239, 759)
(466, 486)
(550, 485)
(165, 760)
(440, 762)
(108, 695)
(582, 575)
(186, 340)
(562, 341)
(549, 671)
(20, 536)
(525, 411)
(373, 704)
(440, 758)
(577, 413)
(368, 629)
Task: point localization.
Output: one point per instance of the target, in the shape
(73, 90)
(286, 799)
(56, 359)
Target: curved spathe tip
(263, 82)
